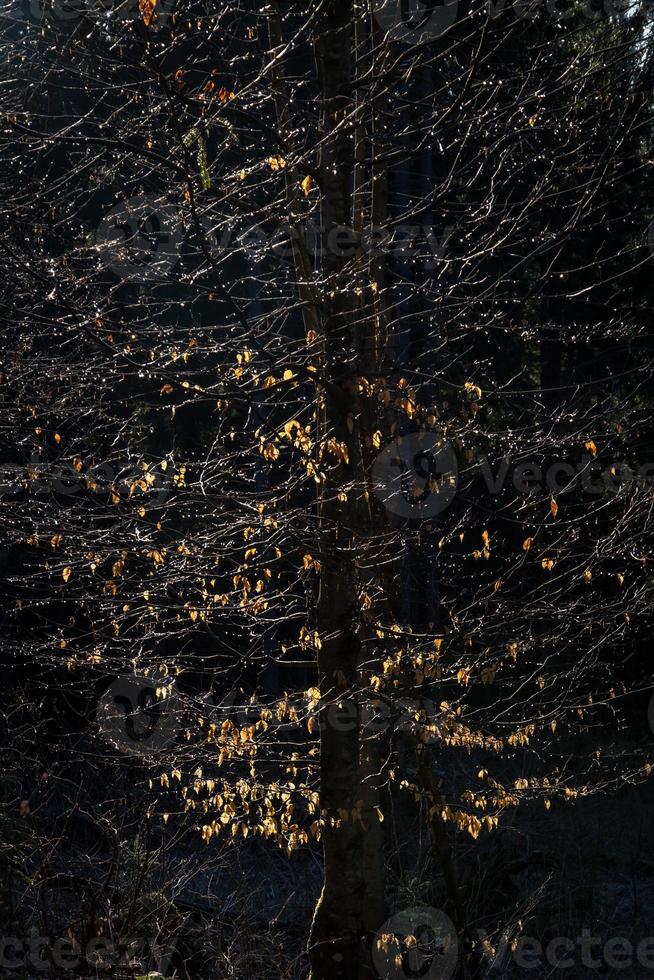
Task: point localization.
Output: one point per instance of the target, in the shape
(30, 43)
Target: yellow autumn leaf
(306, 185)
(527, 543)
(276, 163)
(146, 8)
(472, 389)
(554, 507)
(591, 447)
(67, 572)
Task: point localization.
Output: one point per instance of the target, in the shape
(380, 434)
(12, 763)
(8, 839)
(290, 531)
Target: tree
(325, 330)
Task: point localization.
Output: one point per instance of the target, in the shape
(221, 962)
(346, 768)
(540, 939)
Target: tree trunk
(336, 935)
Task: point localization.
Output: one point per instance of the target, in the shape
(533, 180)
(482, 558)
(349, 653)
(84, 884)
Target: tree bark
(335, 945)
